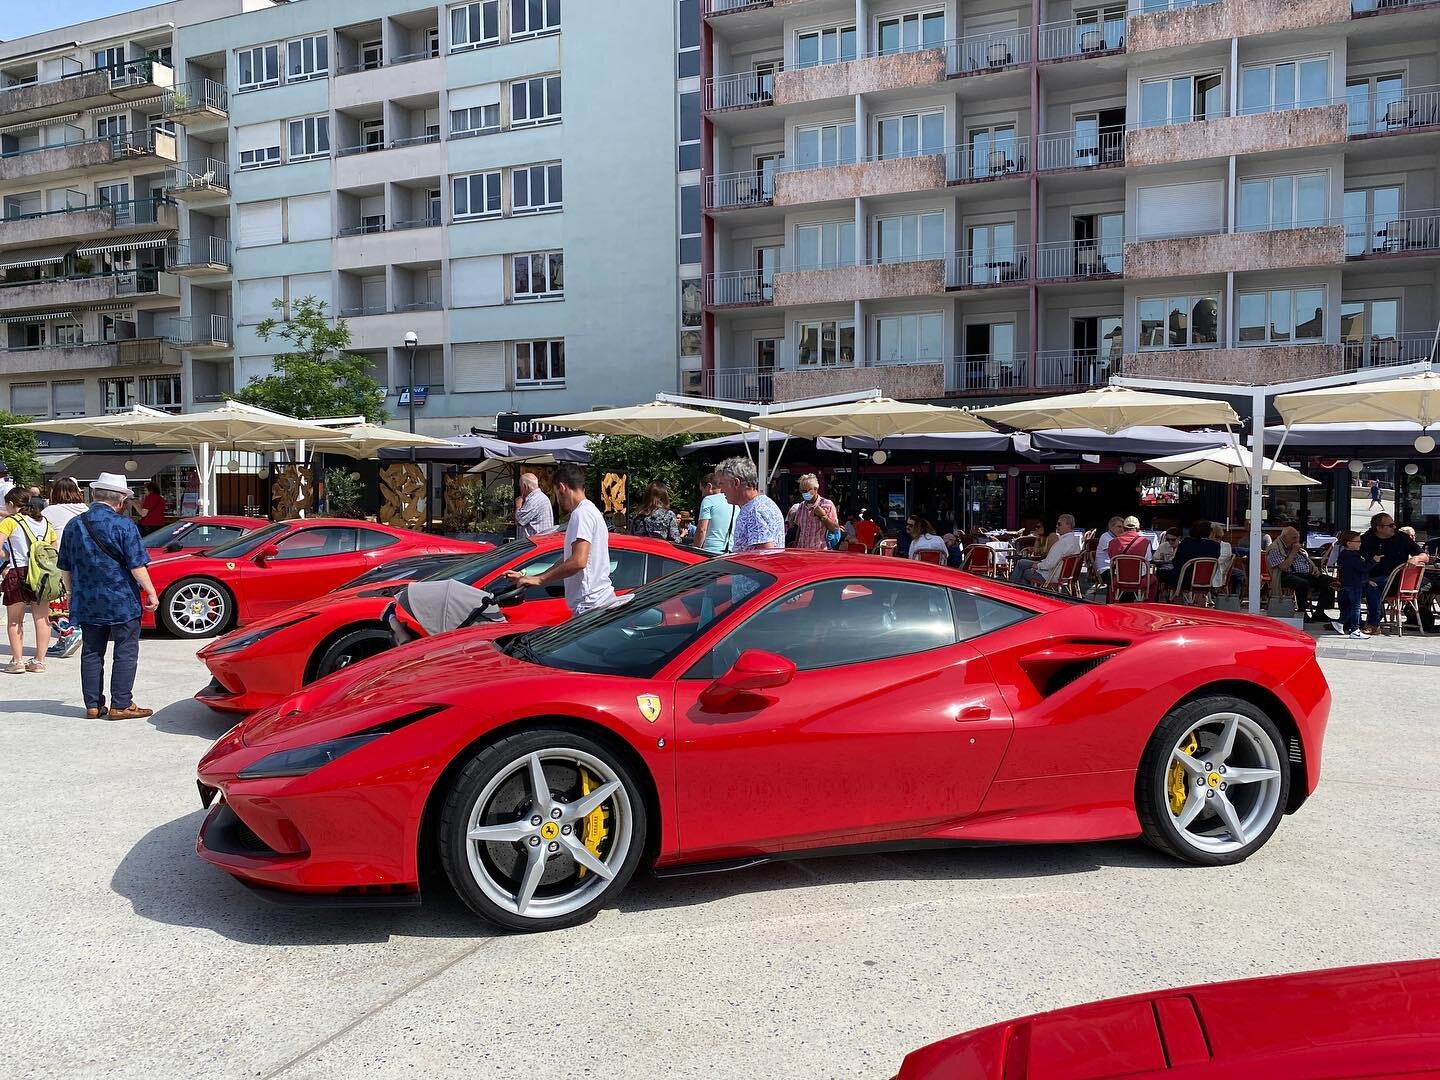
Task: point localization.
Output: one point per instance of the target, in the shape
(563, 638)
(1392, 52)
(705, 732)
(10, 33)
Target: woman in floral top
(655, 517)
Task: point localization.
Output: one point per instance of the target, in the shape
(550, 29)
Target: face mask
(807, 495)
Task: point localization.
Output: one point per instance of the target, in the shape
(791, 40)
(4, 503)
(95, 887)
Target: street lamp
(412, 339)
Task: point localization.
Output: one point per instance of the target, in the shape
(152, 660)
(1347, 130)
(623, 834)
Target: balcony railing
(1072, 150)
(1388, 351)
(991, 267)
(1068, 39)
(1079, 259)
(136, 282)
(126, 143)
(428, 222)
(724, 7)
(987, 160)
(1370, 7)
(135, 72)
(988, 371)
(754, 384)
(1414, 231)
(206, 251)
(365, 228)
(742, 90)
(361, 148)
(733, 191)
(197, 96)
(130, 212)
(1059, 369)
(203, 175)
(196, 331)
(995, 51)
(740, 287)
(1386, 112)
(361, 310)
(416, 140)
(1150, 7)
(416, 305)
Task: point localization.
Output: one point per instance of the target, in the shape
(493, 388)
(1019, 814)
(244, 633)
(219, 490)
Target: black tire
(167, 621)
(1152, 805)
(348, 648)
(500, 757)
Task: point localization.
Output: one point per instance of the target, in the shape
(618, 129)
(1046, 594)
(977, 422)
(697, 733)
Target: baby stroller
(425, 608)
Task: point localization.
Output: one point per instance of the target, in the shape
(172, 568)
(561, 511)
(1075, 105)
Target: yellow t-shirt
(18, 539)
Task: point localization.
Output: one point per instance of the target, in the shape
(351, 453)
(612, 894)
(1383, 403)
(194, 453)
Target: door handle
(973, 712)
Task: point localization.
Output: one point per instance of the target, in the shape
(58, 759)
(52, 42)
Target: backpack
(42, 572)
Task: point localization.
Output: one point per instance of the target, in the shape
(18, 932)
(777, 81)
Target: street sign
(421, 392)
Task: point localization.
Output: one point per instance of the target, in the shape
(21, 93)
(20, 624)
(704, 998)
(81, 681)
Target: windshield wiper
(521, 649)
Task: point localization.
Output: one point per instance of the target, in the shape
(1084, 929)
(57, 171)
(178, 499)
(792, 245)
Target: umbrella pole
(202, 459)
(1257, 492)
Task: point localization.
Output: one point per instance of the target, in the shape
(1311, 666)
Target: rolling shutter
(477, 282)
(260, 223)
(1180, 209)
(316, 285)
(256, 297)
(309, 217)
(256, 136)
(472, 97)
(478, 366)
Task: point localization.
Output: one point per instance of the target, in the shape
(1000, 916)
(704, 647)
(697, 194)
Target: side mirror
(754, 670)
(174, 545)
(265, 554)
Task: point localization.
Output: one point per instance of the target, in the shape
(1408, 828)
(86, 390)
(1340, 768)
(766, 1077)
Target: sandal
(15, 668)
(35, 667)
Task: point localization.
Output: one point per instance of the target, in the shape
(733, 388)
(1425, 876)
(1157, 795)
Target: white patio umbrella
(109, 426)
(655, 420)
(365, 441)
(1415, 398)
(1228, 465)
(874, 418)
(1111, 409)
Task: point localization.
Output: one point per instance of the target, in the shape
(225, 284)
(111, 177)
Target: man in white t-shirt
(585, 569)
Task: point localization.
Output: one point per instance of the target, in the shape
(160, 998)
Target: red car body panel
(1379, 1020)
(260, 591)
(958, 743)
(272, 669)
(233, 521)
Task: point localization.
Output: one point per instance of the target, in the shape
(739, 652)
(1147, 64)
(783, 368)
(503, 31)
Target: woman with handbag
(655, 518)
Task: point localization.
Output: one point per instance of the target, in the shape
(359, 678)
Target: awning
(1142, 441)
(126, 106)
(44, 316)
(964, 442)
(739, 443)
(30, 125)
(44, 256)
(1379, 439)
(89, 465)
(456, 451)
(130, 243)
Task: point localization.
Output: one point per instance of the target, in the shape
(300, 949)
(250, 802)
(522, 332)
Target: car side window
(370, 540)
(847, 621)
(210, 535)
(976, 615)
(539, 565)
(659, 566)
(314, 543)
(627, 569)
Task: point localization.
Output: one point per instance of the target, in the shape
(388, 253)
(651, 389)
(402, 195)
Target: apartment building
(990, 199)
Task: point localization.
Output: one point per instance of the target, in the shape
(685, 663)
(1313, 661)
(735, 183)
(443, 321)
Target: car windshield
(244, 545)
(163, 535)
(481, 566)
(640, 637)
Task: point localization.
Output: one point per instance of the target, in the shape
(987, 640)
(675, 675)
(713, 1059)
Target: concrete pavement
(125, 956)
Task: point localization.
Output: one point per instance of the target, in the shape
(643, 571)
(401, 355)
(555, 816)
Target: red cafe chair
(934, 557)
(981, 559)
(1068, 581)
(1129, 576)
(1198, 582)
(1402, 590)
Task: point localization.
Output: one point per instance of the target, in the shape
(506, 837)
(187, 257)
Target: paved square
(125, 956)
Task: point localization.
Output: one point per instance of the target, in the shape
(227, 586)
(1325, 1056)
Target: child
(1354, 583)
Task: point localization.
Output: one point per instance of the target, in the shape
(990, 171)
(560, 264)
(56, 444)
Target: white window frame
(918, 17)
(313, 132)
(823, 162)
(546, 261)
(125, 385)
(1295, 221)
(821, 229)
(550, 175)
(1298, 103)
(262, 157)
(820, 33)
(1169, 82)
(311, 55)
(918, 117)
(67, 332)
(484, 41)
(819, 326)
(170, 382)
(1268, 296)
(549, 88)
(920, 253)
(1191, 299)
(553, 350)
(485, 181)
(520, 13)
(916, 356)
(268, 57)
(488, 115)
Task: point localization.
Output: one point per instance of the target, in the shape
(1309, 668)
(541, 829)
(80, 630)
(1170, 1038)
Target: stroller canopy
(426, 608)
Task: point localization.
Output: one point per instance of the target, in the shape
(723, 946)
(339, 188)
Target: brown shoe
(95, 714)
(132, 712)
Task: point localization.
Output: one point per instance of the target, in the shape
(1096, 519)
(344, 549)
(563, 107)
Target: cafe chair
(887, 547)
(1198, 582)
(1068, 581)
(935, 557)
(1129, 576)
(1402, 590)
(981, 559)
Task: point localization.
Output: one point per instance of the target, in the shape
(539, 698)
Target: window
(30, 399)
(826, 245)
(540, 363)
(689, 153)
(1281, 316)
(474, 25)
(309, 138)
(828, 46)
(908, 339)
(372, 55)
(258, 67)
(535, 101)
(535, 189)
(67, 398)
(307, 58)
(476, 120)
(1294, 84)
(432, 41)
(1178, 322)
(538, 276)
(476, 195)
(117, 394)
(531, 17)
(826, 342)
(67, 333)
(1373, 221)
(160, 391)
(906, 33)
(111, 59)
(820, 147)
(1377, 103)
(690, 224)
(316, 543)
(687, 62)
(1180, 100)
(157, 122)
(910, 237)
(262, 157)
(1282, 202)
(911, 134)
(994, 151)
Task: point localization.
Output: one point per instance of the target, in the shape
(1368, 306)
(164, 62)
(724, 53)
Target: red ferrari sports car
(1380, 1020)
(185, 535)
(261, 572)
(271, 659)
(753, 707)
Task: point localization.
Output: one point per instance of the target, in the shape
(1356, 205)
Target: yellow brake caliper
(592, 828)
(1175, 779)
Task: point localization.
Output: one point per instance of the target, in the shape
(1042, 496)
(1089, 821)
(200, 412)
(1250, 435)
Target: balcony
(80, 290)
(89, 356)
(1362, 8)
(1411, 232)
(1073, 150)
(205, 180)
(84, 89)
(77, 156)
(1071, 40)
(740, 190)
(1217, 253)
(804, 184)
(991, 268)
(981, 54)
(742, 90)
(201, 257)
(1407, 348)
(1178, 24)
(201, 105)
(866, 75)
(755, 385)
(869, 281)
(202, 333)
(740, 289)
(987, 160)
(989, 373)
(1079, 260)
(1253, 133)
(1074, 369)
(1379, 113)
(84, 222)
(728, 7)
(1253, 365)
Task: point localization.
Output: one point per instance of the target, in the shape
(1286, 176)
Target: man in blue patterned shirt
(759, 524)
(103, 564)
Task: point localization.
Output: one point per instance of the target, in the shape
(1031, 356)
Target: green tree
(17, 449)
(647, 460)
(316, 377)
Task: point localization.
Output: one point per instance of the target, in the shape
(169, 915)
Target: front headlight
(306, 759)
(244, 641)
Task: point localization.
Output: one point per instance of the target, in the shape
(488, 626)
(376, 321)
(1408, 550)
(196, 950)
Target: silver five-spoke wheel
(1223, 785)
(195, 608)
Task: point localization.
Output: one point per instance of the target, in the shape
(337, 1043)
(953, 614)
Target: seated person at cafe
(866, 531)
(1046, 571)
(1165, 550)
(1229, 572)
(1129, 541)
(1292, 566)
(1198, 545)
(923, 538)
(954, 549)
(1102, 549)
(1384, 547)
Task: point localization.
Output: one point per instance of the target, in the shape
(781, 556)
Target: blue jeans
(126, 639)
(1350, 605)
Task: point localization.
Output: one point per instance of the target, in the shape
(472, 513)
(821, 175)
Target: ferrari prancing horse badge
(649, 705)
